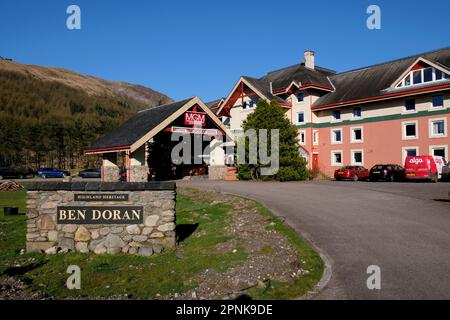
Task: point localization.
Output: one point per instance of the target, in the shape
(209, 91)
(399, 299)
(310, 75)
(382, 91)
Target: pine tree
(291, 165)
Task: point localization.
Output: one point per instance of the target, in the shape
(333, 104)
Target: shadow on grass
(185, 230)
(21, 270)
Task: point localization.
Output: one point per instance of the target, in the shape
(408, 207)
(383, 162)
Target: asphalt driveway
(396, 226)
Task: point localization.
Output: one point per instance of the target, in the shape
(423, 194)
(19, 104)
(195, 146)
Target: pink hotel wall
(382, 142)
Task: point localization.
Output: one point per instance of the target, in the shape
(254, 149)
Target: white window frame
(299, 134)
(353, 114)
(401, 84)
(352, 160)
(409, 111)
(316, 137)
(304, 119)
(404, 136)
(404, 149)
(333, 119)
(333, 141)
(442, 146)
(430, 127)
(352, 138)
(438, 107)
(335, 164)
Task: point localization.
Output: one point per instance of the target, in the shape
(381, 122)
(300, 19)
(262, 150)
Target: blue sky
(186, 48)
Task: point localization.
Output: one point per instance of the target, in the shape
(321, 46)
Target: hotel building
(371, 115)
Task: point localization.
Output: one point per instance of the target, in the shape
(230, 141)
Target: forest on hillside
(48, 123)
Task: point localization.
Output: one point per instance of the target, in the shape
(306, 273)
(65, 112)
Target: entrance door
(315, 161)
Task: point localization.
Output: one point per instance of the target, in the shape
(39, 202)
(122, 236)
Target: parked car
(9, 173)
(354, 173)
(446, 172)
(424, 167)
(387, 172)
(52, 173)
(90, 173)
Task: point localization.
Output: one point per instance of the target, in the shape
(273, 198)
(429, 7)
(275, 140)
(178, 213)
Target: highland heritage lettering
(100, 215)
(101, 197)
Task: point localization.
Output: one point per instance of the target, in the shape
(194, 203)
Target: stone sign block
(105, 217)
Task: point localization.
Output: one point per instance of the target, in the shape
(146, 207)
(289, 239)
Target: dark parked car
(90, 173)
(446, 172)
(8, 173)
(52, 173)
(354, 173)
(387, 172)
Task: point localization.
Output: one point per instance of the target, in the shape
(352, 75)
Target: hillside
(49, 115)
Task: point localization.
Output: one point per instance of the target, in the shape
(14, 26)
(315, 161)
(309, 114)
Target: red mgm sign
(194, 119)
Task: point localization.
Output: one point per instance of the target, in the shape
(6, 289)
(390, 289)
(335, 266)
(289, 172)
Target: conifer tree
(291, 165)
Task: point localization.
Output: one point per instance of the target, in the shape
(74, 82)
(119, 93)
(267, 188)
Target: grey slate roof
(138, 125)
(371, 81)
(282, 78)
(263, 86)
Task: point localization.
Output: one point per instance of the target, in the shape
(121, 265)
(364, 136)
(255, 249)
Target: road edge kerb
(328, 270)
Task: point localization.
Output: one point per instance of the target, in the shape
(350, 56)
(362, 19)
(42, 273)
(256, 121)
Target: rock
(67, 243)
(127, 237)
(52, 250)
(151, 221)
(113, 241)
(48, 205)
(39, 246)
(140, 238)
(52, 236)
(135, 244)
(32, 213)
(146, 231)
(146, 251)
(157, 235)
(70, 228)
(114, 250)
(45, 222)
(116, 229)
(168, 205)
(133, 229)
(168, 213)
(167, 227)
(82, 234)
(157, 248)
(132, 250)
(55, 197)
(82, 247)
(95, 234)
(100, 249)
(31, 236)
(95, 243)
(104, 231)
(125, 249)
(168, 219)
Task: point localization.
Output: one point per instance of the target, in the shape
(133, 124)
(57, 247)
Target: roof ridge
(391, 61)
(166, 104)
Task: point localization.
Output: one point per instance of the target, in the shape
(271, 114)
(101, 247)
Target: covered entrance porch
(168, 142)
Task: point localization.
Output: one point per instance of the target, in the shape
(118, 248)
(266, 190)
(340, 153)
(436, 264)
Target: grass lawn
(146, 277)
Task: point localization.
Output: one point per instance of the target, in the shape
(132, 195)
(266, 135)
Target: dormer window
(424, 75)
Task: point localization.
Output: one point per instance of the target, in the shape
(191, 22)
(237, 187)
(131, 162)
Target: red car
(354, 173)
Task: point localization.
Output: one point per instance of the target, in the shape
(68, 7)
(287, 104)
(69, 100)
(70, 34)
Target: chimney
(309, 59)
